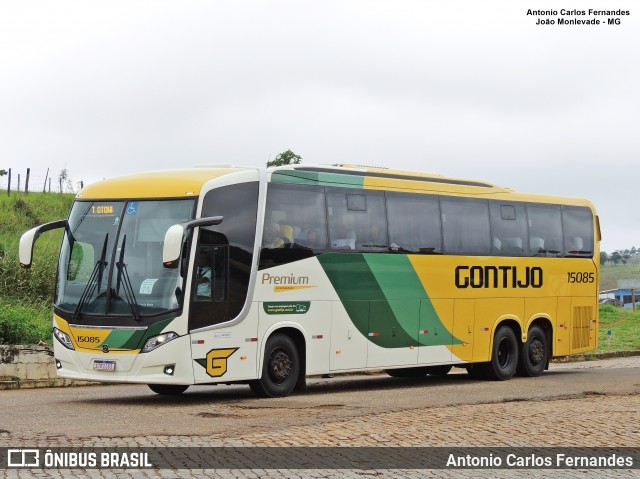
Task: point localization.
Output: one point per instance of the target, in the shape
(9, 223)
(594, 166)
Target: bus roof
(379, 178)
(157, 184)
(188, 182)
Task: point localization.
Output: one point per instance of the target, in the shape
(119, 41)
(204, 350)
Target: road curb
(16, 383)
(595, 356)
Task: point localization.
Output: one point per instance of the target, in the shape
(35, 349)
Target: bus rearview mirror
(174, 238)
(28, 239)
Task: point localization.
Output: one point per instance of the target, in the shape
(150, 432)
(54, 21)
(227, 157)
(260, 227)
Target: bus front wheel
(280, 368)
(168, 389)
(504, 358)
(534, 353)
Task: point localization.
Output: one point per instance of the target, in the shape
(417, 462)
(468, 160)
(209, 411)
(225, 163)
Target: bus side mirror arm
(28, 239)
(174, 238)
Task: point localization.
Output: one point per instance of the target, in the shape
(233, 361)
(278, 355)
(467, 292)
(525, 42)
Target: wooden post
(60, 181)
(18, 182)
(9, 183)
(45, 182)
(49, 185)
(26, 181)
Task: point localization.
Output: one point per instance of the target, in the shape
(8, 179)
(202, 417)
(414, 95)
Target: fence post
(26, 182)
(45, 182)
(49, 185)
(9, 184)
(18, 182)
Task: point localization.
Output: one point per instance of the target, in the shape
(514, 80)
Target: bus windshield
(111, 259)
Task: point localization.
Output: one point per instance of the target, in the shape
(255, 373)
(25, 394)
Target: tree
(3, 172)
(604, 257)
(65, 178)
(285, 158)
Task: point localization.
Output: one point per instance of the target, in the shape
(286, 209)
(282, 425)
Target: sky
(468, 89)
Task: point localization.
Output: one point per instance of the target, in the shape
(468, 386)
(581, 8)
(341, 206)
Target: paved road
(575, 404)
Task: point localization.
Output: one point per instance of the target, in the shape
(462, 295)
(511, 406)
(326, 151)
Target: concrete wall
(29, 367)
(26, 362)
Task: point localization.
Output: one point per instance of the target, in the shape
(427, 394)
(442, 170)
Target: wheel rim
(536, 352)
(279, 366)
(505, 354)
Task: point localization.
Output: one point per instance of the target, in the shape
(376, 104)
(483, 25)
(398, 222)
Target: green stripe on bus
(317, 178)
(364, 300)
(408, 299)
(128, 339)
(385, 299)
(118, 338)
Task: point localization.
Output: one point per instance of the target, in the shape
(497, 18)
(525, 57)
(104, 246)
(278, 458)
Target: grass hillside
(611, 273)
(26, 295)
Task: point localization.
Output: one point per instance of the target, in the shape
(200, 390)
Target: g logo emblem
(217, 361)
(105, 348)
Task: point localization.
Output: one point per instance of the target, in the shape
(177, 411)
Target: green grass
(624, 325)
(18, 213)
(24, 323)
(26, 296)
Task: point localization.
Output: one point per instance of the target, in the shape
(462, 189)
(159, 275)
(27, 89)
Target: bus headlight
(63, 338)
(157, 341)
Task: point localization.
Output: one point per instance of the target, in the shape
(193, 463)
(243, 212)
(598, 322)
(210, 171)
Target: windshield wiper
(123, 278)
(94, 279)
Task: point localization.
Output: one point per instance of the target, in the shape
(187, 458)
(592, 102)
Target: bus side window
(577, 224)
(414, 223)
(294, 224)
(357, 220)
(465, 225)
(211, 273)
(545, 222)
(508, 228)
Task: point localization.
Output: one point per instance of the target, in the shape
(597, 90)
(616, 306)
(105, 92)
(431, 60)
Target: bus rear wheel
(504, 358)
(533, 353)
(280, 368)
(168, 389)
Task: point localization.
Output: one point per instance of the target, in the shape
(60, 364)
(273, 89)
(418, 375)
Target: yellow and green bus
(244, 275)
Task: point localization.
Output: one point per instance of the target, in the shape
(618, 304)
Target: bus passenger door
(224, 352)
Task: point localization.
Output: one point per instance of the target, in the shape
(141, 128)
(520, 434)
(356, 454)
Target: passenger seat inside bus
(496, 245)
(574, 245)
(512, 246)
(536, 245)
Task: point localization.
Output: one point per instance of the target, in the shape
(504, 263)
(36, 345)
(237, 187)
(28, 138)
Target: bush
(24, 324)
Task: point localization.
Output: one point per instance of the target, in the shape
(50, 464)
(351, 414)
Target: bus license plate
(104, 365)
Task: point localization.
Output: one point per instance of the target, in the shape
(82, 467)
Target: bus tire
(504, 357)
(280, 368)
(438, 370)
(168, 389)
(533, 353)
